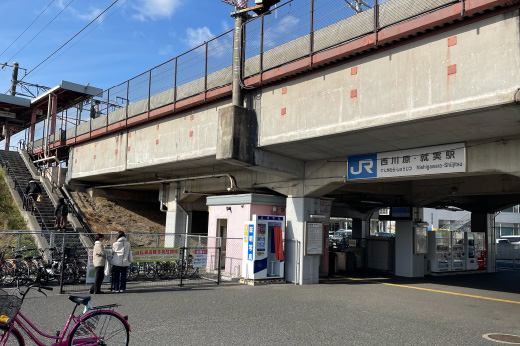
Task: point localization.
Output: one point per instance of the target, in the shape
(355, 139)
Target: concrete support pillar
(407, 264)
(54, 107)
(482, 222)
(178, 220)
(360, 228)
(298, 210)
(33, 124)
(7, 140)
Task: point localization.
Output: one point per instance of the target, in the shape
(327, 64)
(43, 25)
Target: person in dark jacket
(61, 212)
(32, 190)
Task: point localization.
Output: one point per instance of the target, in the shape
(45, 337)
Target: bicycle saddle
(80, 300)
(28, 258)
(38, 257)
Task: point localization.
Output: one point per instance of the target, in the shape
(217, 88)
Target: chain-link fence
(159, 260)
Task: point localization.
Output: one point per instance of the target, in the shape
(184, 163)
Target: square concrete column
(299, 268)
(482, 222)
(178, 221)
(407, 264)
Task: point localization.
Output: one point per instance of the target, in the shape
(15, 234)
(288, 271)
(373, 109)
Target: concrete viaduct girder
(458, 85)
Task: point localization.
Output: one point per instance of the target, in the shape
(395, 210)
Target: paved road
(358, 310)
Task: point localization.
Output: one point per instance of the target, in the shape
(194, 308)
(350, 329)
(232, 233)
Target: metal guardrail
(26, 199)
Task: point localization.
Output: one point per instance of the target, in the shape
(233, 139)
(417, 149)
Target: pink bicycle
(99, 325)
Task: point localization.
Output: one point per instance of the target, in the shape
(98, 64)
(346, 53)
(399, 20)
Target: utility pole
(14, 79)
(238, 98)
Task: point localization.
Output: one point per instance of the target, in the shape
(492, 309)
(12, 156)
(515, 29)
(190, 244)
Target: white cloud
(155, 9)
(88, 16)
(167, 50)
(194, 37)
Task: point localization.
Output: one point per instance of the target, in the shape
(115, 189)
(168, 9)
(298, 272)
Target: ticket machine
(263, 254)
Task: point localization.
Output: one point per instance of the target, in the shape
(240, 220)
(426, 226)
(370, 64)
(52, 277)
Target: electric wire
(82, 37)
(39, 32)
(73, 37)
(42, 12)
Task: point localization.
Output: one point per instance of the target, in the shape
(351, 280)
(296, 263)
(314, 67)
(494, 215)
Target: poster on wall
(313, 238)
(420, 239)
(260, 239)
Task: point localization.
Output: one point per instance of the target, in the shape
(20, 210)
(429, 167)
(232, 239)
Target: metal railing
(28, 202)
(294, 30)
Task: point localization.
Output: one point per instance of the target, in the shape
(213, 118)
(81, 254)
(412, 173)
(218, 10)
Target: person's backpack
(64, 210)
(35, 187)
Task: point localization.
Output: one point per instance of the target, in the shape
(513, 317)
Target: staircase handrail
(458, 223)
(73, 206)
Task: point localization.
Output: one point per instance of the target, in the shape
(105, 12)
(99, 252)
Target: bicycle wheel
(100, 328)
(81, 271)
(33, 270)
(8, 272)
(43, 276)
(15, 338)
(132, 273)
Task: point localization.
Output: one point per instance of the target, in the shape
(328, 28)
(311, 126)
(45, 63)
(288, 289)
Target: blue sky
(130, 38)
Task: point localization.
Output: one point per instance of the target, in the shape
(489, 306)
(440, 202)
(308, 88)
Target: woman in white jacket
(122, 257)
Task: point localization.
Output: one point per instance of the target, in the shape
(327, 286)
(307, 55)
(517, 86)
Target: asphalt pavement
(356, 309)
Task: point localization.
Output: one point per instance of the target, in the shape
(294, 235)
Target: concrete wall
(188, 136)
(399, 84)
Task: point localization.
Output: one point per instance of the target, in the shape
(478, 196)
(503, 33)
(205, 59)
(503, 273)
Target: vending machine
(480, 250)
(458, 253)
(471, 256)
(263, 254)
(439, 251)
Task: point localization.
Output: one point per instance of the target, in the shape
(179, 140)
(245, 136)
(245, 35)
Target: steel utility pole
(238, 98)
(14, 79)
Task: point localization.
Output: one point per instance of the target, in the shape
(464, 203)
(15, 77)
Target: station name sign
(4, 114)
(441, 159)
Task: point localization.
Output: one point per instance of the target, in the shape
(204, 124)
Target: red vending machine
(480, 250)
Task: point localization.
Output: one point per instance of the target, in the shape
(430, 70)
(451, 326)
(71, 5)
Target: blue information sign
(250, 239)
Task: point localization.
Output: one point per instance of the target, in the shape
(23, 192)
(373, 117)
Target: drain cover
(503, 338)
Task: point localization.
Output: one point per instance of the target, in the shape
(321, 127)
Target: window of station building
(503, 229)
(382, 228)
(513, 209)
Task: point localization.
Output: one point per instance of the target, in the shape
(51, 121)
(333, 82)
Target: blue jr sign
(362, 167)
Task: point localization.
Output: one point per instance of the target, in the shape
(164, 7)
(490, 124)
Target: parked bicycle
(99, 325)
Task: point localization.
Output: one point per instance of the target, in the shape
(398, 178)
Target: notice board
(313, 238)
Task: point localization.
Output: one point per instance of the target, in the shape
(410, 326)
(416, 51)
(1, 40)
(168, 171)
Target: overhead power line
(39, 32)
(82, 37)
(73, 37)
(42, 12)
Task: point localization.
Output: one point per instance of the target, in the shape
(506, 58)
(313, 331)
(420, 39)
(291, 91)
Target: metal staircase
(461, 225)
(43, 212)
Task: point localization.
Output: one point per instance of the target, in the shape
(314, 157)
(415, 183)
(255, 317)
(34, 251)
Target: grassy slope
(10, 218)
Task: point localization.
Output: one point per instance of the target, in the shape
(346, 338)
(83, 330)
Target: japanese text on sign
(200, 258)
(156, 254)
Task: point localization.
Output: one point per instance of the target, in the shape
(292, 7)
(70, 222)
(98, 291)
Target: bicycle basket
(9, 306)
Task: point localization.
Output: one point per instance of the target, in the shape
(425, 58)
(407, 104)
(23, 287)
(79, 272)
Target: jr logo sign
(361, 167)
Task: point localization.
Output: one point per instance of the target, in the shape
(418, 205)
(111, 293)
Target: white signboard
(313, 238)
(91, 270)
(449, 158)
(7, 114)
(200, 258)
